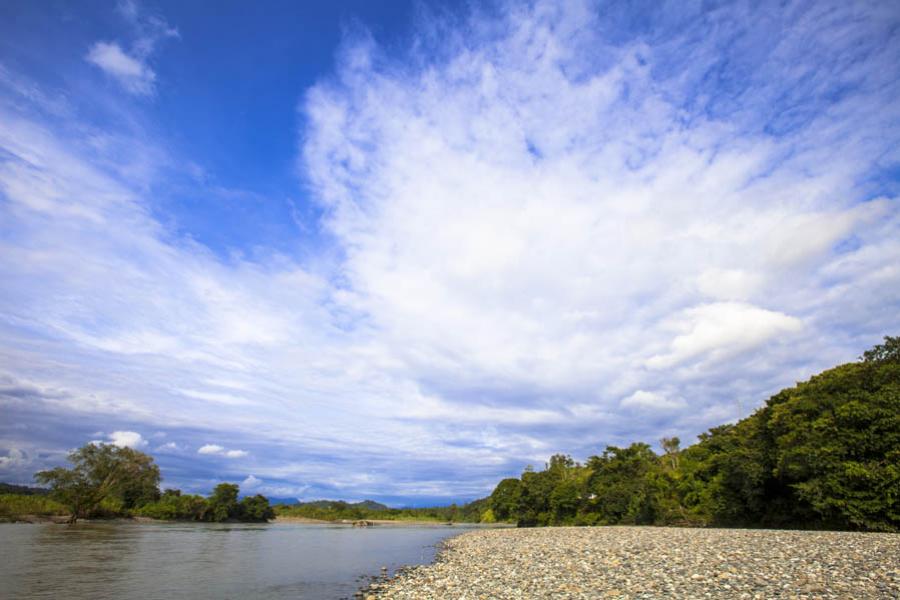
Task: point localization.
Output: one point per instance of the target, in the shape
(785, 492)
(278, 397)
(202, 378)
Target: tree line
(108, 481)
(336, 510)
(823, 454)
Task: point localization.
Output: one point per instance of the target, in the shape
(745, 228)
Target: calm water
(124, 560)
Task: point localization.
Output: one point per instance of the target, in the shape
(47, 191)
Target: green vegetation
(13, 505)
(103, 472)
(108, 481)
(327, 510)
(222, 505)
(822, 454)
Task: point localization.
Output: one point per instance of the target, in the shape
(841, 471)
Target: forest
(824, 454)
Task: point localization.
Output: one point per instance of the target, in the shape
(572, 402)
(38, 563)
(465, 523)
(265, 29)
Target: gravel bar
(654, 562)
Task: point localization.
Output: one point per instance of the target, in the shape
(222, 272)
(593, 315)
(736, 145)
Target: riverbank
(653, 562)
(374, 522)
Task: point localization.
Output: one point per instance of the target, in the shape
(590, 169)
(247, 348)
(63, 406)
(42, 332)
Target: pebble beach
(653, 562)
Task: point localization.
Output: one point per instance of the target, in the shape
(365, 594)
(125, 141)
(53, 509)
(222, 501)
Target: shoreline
(651, 562)
(33, 519)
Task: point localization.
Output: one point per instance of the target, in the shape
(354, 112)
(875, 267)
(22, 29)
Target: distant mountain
(11, 488)
(289, 501)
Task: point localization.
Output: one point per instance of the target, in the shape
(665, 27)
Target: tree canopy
(103, 472)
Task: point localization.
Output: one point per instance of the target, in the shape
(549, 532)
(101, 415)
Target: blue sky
(356, 251)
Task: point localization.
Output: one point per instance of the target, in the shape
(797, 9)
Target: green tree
(256, 508)
(889, 351)
(223, 503)
(101, 472)
(504, 501)
(173, 505)
(837, 443)
(620, 484)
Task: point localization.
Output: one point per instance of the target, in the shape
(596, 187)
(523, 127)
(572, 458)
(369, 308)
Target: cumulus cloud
(13, 460)
(251, 482)
(122, 439)
(722, 329)
(127, 439)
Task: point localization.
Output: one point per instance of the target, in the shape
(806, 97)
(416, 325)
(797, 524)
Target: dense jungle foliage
(822, 454)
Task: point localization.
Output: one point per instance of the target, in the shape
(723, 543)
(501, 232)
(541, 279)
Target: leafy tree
(889, 351)
(223, 503)
(619, 484)
(837, 444)
(505, 499)
(534, 502)
(173, 505)
(101, 472)
(255, 508)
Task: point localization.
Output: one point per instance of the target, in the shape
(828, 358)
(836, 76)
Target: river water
(196, 560)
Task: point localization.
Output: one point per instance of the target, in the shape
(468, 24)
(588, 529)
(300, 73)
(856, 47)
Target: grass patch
(13, 505)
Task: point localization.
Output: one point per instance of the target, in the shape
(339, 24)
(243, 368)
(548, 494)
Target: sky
(402, 250)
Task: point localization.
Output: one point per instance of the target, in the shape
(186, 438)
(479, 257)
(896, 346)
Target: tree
(889, 351)
(255, 508)
(670, 447)
(620, 484)
(504, 500)
(837, 444)
(223, 503)
(101, 472)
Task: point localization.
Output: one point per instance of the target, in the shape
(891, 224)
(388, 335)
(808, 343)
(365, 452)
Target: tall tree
(223, 503)
(99, 472)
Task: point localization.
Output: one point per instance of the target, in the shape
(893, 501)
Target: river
(197, 560)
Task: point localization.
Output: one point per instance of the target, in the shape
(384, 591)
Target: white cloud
(131, 72)
(130, 68)
(251, 482)
(15, 459)
(218, 450)
(129, 439)
(645, 400)
(721, 330)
